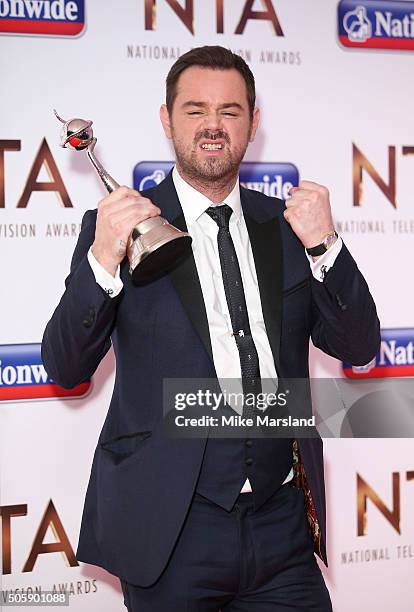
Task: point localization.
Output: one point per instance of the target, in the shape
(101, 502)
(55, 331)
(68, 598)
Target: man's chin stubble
(209, 169)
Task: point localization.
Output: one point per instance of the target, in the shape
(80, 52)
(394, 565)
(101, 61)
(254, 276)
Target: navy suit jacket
(142, 481)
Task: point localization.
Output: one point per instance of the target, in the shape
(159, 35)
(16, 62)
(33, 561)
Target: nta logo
(185, 14)
(376, 24)
(44, 17)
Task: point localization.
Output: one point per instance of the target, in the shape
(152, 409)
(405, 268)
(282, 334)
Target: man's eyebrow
(231, 105)
(203, 105)
(193, 103)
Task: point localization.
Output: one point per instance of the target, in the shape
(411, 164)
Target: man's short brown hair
(215, 57)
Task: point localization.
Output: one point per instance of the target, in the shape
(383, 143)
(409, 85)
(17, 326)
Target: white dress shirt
(203, 230)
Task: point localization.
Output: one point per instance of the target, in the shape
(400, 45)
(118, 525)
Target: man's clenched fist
(118, 214)
(308, 212)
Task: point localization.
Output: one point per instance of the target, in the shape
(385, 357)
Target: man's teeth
(211, 147)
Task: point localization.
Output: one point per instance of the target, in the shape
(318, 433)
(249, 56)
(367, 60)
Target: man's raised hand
(308, 212)
(117, 216)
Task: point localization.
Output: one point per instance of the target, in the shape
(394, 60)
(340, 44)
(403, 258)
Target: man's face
(210, 124)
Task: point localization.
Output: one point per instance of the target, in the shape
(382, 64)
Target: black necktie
(236, 302)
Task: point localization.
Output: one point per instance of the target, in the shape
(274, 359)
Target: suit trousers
(239, 561)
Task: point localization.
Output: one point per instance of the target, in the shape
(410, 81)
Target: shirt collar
(194, 203)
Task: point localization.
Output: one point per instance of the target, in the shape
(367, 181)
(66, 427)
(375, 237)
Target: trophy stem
(106, 178)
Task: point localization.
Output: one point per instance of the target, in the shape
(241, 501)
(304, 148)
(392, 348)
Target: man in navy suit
(208, 524)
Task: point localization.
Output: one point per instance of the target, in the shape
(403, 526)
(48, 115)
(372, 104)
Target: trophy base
(156, 262)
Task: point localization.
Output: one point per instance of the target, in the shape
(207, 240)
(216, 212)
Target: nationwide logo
(23, 376)
(272, 179)
(395, 357)
(376, 24)
(43, 17)
(150, 173)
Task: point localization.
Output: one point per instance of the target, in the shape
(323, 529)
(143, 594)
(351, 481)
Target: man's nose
(213, 121)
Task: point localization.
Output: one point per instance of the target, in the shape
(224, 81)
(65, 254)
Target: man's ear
(165, 120)
(255, 123)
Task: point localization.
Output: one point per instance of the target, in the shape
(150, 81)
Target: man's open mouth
(212, 147)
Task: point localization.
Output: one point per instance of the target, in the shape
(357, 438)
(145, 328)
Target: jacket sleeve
(345, 323)
(77, 336)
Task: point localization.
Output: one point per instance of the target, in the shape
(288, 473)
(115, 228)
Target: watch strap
(321, 248)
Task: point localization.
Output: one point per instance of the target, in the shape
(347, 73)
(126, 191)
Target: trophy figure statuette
(154, 244)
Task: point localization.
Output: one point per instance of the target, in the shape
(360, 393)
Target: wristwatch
(328, 240)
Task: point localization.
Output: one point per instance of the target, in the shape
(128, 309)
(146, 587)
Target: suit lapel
(266, 246)
(184, 275)
(187, 284)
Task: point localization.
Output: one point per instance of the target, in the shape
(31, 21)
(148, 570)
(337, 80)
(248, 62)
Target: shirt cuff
(321, 266)
(112, 285)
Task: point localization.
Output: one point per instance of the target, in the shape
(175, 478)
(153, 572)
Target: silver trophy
(154, 244)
